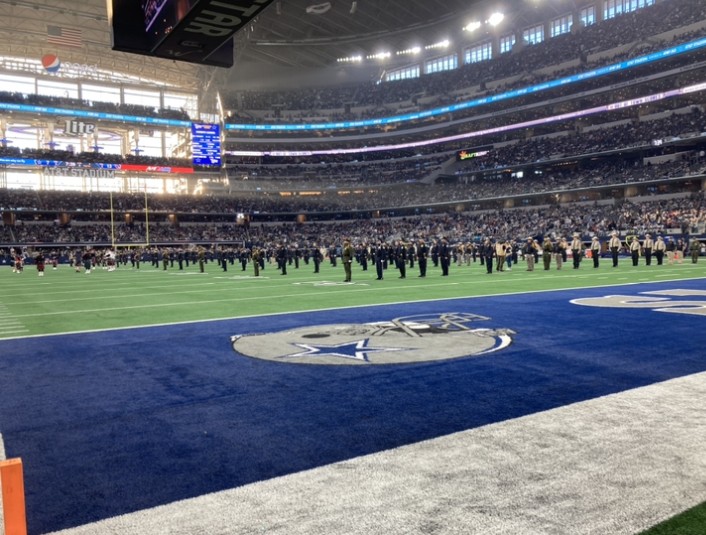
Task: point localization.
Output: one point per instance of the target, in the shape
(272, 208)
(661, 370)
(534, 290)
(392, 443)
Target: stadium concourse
(182, 390)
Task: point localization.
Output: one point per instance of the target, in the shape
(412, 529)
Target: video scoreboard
(206, 144)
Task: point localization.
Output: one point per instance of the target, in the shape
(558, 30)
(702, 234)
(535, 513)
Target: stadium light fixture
(441, 44)
(496, 18)
(350, 59)
(472, 26)
(414, 50)
(379, 55)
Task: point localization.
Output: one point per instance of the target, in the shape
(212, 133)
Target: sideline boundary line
(249, 316)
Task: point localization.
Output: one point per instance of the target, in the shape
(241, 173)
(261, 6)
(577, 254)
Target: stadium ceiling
(312, 33)
(289, 33)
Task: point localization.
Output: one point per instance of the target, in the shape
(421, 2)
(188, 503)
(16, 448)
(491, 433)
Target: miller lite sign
(77, 127)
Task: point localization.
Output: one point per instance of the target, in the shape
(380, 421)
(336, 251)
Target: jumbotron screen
(196, 31)
(206, 144)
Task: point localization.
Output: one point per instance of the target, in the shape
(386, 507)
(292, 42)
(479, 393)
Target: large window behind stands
(507, 42)
(405, 73)
(182, 101)
(561, 25)
(23, 136)
(613, 8)
(587, 16)
(481, 52)
(534, 35)
(100, 93)
(55, 88)
(18, 84)
(142, 97)
(445, 63)
(35, 180)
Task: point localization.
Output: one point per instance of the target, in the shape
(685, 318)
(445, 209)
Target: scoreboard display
(206, 144)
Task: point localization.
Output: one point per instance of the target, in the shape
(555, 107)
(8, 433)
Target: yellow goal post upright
(115, 245)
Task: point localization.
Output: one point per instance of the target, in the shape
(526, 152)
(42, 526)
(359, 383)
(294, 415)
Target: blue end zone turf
(113, 422)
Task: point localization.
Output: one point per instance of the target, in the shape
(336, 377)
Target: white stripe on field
(276, 297)
(613, 465)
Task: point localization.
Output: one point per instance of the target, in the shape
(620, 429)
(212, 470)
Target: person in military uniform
(500, 252)
(614, 247)
(559, 252)
(576, 250)
(256, 257)
(39, 261)
(201, 257)
(487, 251)
(400, 252)
(660, 248)
(595, 251)
(647, 247)
(444, 256)
(434, 252)
(282, 256)
(547, 249)
(347, 254)
(422, 254)
(635, 251)
(380, 255)
(695, 250)
(316, 257)
(528, 251)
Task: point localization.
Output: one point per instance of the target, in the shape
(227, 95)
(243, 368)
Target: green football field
(65, 301)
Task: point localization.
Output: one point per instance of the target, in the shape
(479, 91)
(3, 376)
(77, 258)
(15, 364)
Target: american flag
(58, 35)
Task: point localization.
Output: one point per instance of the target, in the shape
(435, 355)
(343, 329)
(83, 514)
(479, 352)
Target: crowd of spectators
(378, 99)
(404, 165)
(683, 215)
(47, 205)
(138, 110)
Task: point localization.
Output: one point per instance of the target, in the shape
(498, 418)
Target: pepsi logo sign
(51, 62)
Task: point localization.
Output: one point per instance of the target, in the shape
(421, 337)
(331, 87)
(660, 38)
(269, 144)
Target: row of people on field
(498, 255)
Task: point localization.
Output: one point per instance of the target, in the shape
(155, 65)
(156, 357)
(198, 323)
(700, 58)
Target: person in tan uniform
(614, 247)
(595, 251)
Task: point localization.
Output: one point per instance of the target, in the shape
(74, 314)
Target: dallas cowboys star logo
(357, 350)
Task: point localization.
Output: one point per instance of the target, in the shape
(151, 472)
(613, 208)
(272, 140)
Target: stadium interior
(371, 121)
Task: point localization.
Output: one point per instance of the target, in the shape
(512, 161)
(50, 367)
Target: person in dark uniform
(281, 257)
(434, 252)
(422, 254)
(347, 254)
(316, 258)
(444, 256)
(411, 254)
(401, 259)
(380, 255)
(487, 251)
(39, 261)
(364, 256)
(595, 251)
